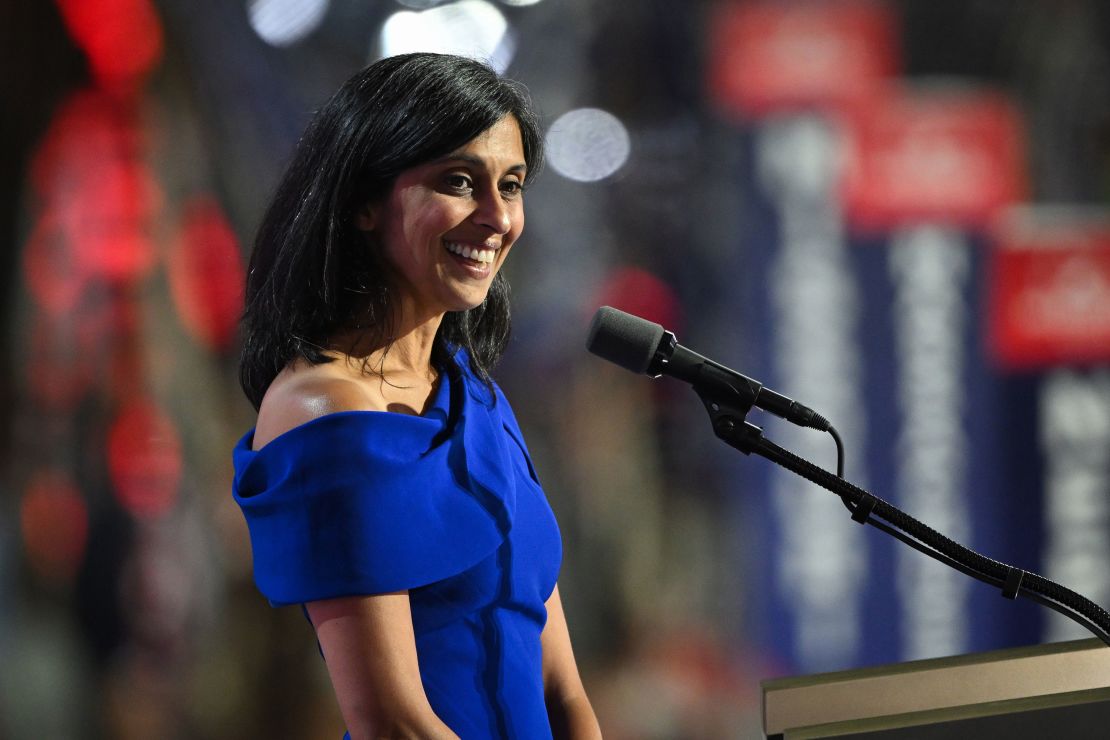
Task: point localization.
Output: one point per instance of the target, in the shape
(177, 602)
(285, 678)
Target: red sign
(765, 57)
(1049, 289)
(951, 155)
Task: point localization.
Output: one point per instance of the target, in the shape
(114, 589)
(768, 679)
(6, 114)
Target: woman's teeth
(478, 255)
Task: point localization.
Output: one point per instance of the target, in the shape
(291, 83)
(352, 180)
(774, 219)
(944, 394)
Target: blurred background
(895, 212)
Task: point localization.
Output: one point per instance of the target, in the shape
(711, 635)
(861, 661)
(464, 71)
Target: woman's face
(447, 225)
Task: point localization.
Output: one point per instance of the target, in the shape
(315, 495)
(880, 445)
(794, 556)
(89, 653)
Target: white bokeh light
(420, 4)
(519, 3)
(587, 144)
(284, 22)
(469, 28)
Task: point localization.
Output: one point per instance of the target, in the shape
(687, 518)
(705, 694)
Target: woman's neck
(407, 350)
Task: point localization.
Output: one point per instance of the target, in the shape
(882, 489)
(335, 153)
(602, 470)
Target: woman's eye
(458, 182)
(511, 187)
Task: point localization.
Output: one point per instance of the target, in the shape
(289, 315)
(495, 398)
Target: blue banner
(884, 336)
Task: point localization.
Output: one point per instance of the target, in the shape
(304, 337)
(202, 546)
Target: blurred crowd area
(139, 142)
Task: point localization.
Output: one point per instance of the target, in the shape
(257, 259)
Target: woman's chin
(467, 305)
(466, 299)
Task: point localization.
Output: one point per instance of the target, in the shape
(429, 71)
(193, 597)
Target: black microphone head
(624, 339)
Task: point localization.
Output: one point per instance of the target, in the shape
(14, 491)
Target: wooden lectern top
(938, 683)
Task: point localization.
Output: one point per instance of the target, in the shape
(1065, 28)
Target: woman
(386, 484)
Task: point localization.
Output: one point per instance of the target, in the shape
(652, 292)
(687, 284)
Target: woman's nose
(494, 213)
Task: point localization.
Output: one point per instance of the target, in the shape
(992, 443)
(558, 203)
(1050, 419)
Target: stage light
(470, 28)
(639, 292)
(59, 364)
(206, 275)
(285, 22)
(99, 200)
(51, 271)
(144, 459)
(122, 39)
(587, 144)
(110, 219)
(54, 522)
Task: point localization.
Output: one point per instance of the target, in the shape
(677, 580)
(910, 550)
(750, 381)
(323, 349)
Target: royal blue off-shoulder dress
(446, 505)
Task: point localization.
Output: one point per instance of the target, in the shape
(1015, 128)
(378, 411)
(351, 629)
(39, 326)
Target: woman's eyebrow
(476, 161)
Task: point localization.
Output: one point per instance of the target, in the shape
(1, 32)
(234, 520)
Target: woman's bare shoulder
(303, 392)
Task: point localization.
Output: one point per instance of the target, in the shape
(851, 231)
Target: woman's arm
(370, 650)
(568, 708)
(367, 641)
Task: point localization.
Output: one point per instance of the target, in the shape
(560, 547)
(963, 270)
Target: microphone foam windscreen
(624, 339)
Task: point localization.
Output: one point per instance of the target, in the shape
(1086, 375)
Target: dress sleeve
(360, 503)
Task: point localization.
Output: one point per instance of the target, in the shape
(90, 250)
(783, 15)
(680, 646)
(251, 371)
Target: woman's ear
(364, 219)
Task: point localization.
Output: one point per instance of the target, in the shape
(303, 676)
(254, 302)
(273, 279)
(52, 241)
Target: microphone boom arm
(641, 346)
(727, 416)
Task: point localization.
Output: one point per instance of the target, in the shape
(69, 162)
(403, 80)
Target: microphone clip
(729, 421)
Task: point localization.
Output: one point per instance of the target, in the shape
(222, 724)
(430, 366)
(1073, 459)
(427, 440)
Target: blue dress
(446, 505)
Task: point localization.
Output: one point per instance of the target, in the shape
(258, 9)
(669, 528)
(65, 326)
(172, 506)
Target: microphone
(645, 347)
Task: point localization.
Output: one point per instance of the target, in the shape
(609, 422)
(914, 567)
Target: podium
(1059, 690)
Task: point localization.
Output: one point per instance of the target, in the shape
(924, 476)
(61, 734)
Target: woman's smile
(477, 261)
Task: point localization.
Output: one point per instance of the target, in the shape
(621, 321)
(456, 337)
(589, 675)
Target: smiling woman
(386, 485)
(318, 277)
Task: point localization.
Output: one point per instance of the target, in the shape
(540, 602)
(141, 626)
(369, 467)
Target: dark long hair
(311, 275)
